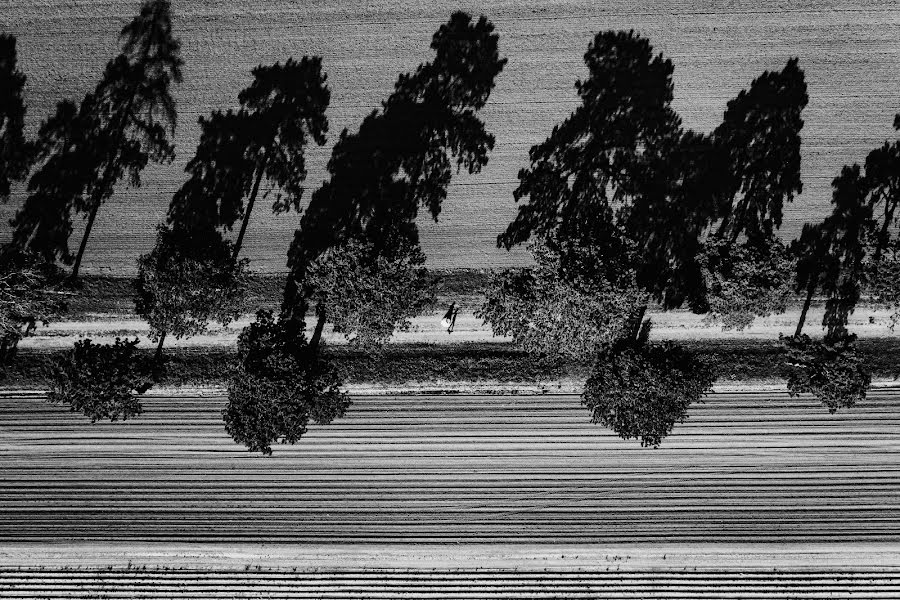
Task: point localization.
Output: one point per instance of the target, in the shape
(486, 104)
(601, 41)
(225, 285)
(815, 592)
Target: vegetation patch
(734, 360)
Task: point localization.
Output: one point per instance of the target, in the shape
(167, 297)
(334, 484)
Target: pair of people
(449, 320)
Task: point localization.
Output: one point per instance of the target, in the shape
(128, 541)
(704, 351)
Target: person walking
(449, 320)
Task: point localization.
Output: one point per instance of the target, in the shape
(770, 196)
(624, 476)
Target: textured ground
(455, 496)
(848, 49)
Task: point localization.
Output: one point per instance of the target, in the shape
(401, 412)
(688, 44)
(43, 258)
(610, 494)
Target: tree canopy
(189, 279)
(31, 291)
(549, 313)
(101, 381)
(281, 384)
(641, 391)
(369, 296)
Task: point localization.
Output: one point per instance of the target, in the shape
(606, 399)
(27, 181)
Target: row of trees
(622, 207)
(355, 260)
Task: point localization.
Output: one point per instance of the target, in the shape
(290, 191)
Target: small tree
(189, 279)
(280, 384)
(746, 281)
(548, 313)
(101, 381)
(369, 294)
(15, 151)
(641, 390)
(829, 369)
(31, 291)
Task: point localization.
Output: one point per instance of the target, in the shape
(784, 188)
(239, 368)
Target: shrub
(641, 391)
(101, 381)
(31, 291)
(280, 384)
(829, 369)
(188, 280)
(548, 313)
(746, 281)
(368, 295)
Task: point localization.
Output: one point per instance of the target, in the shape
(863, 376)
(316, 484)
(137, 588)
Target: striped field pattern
(456, 469)
(755, 495)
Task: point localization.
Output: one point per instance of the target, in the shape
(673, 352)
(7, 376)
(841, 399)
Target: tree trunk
(158, 358)
(320, 325)
(84, 239)
(635, 322)
(883, 234)
(248, 210)
(810, 290)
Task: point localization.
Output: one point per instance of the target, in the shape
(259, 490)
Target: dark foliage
(402, 156)
(281, 383)
(641, 391)
(369, 296)
(188, 280)
(101, 381)
(830, 369)
(15, 151)
(550, 314)
(746, 280)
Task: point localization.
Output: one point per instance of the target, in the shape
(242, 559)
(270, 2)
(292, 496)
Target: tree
(623, 183)
(281, 384)
(547, 313)
(189, 279)
(829, 369)
(369, 295)
(15, 151)
(135, 109)
(102, 381)
(851, 250)
(266, 139)
(401, 158)
(619, 177)
(30, 292)
(747, 280)
(641, 390)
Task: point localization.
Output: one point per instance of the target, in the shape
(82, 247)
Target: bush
(280, 384)
(829, 369)
(746, 281)
(641, 391)
(548, 313)
(369, 296)
(31, 291)
(188, 280)
(101, 380)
